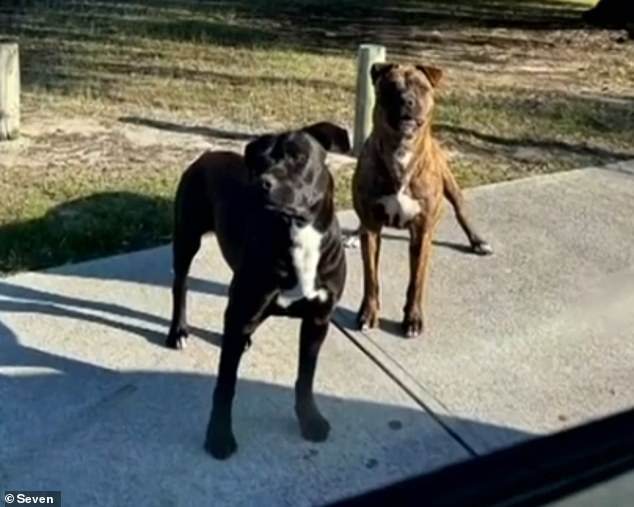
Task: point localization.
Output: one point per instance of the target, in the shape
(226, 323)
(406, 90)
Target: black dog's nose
(266, 183)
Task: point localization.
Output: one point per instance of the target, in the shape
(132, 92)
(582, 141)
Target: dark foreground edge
(533, 473)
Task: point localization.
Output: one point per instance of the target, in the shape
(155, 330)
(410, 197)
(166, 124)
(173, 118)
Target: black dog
(273, 215)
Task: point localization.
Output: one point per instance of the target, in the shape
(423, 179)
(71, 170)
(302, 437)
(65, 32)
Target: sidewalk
(535, 338)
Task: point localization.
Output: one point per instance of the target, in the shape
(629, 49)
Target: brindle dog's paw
(176, 339)
(481, 247)
(221, 444)
(314, 427)
(412, 326)
(367, 317)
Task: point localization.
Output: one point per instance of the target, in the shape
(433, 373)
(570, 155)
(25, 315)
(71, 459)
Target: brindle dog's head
(290, 167)
(404, 96)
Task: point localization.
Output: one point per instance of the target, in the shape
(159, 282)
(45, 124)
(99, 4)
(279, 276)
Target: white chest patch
(404, 157)
(305, 253)
(400, 207)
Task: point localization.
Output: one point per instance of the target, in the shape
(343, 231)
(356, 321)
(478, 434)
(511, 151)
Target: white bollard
(368, 55)
(9, 90)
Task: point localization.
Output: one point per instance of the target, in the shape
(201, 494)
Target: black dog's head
(290, 167)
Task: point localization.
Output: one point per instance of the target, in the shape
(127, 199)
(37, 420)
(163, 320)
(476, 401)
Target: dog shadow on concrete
(19, 299)
(346, 318)
(402, 236)
(151, 422)
(125, 224)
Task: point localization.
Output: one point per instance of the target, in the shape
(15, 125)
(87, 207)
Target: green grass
(528, 90)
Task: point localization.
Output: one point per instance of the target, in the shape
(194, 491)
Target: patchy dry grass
(118, 96)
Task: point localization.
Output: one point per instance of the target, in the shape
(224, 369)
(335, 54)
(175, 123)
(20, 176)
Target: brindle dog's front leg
(454, 196)
(420, 245)
(245, 312)
(368, 314)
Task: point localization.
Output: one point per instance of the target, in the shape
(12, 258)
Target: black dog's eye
(301, 158)
(296, 152)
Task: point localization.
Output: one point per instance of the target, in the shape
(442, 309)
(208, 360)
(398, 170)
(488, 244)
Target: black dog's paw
(314, 427)
(412, 326)
(176, 338)
(221, 444)
(481, 247)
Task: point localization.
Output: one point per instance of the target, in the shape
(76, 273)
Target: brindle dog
(400, 181)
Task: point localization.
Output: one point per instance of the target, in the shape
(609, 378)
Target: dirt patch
(80, 141)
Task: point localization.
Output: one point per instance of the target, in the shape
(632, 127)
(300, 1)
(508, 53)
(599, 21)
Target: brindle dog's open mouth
(409, 124)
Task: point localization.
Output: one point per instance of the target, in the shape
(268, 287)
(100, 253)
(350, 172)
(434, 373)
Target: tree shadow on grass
(307, 25)
(105, 223)
(192, 74)
(564, 130)
(563, 148)
(408, 28)
(212, 133)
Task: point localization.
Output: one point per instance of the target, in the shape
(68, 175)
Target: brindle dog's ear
(257, 154)
(434, 74)
(379, 69)
(332, 137)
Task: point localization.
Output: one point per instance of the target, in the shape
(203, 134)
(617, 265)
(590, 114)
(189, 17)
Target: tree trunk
(610, 14)
(9, 90)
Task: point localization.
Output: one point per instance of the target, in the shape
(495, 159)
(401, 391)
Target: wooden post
(9, 90)
(368, 54)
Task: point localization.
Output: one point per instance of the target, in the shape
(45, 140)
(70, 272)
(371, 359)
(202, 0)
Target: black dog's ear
(332, 137)
(257, 154)
(379, 69)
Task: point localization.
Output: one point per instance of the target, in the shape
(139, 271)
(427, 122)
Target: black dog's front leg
(313, 425)
(314, 328)
(220, 441)
(244, 313)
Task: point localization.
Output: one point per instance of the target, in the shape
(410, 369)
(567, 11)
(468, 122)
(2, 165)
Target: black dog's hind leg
(313, 425)
(245, 312)
(185, 246)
